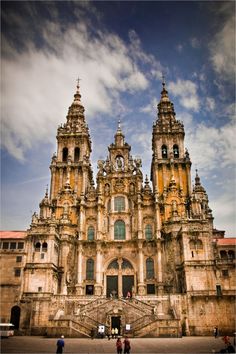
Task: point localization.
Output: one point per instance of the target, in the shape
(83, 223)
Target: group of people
(119, 346)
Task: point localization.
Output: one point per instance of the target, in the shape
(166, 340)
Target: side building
(142, 257)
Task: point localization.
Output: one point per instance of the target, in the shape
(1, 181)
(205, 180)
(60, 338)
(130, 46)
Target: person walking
(60, 345)
(127, 346)
(119, 346)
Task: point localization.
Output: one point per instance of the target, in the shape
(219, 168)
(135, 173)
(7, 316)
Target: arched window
(223, 255)
(149, 268)
(113, 265)
(164, 151)
(64, 154)
(192, 244)
(199, 245)
(90, 234)
(148, 232)
(76, 154)
(126, 264)
(37, 246)
(119, 203)
(44, 247)
(90, 269)
(231, 254)
(176, 151)
(119, 230)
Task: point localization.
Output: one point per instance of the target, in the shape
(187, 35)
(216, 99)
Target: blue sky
(119, 50)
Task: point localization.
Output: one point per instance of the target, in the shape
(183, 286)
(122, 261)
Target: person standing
(127, 346)
(119, 346)
(60, 345)
(216, 332)
(116, 332)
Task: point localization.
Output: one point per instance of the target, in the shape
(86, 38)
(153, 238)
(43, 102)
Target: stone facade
(125, 252)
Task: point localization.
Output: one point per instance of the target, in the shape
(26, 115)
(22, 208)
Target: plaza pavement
(188, 345)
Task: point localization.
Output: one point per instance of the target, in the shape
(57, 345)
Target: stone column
(60, 179)
(140, 229)
(76, 180)
(99, 218)
(159, 268)
(98, 285)
(141, 285)
(120, 289)
(79, 285)
(189, 187)
(63, 263)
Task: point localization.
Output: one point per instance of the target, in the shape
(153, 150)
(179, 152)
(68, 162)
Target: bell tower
(71, 165)
(171, 166)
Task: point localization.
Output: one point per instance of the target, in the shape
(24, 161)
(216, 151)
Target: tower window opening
(149, 268)
(90, 269)
(176, 151)
(148, 232)
(64, 154)
(119, 230)
(76, 154)
(164, 151)
(37, 246)
(44, 247)
(90, 234)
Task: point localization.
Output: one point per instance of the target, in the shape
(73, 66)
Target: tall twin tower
(126, 251)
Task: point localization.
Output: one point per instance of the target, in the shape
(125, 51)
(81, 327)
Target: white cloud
(37, 83)
(222, 46)
(210, 104)
(212, 147)
(179, 48)
(151, 107)
(186, 90)
(195, 42)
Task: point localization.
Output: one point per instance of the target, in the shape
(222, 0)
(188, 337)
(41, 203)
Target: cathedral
(128, 253)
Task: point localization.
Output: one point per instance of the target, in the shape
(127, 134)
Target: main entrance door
(112, 285)
(115, 323)
(120, 278)
(127, 284)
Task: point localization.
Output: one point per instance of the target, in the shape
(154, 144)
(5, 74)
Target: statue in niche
(119, 162)
(174, 208)
(107, 189)
(131, 189)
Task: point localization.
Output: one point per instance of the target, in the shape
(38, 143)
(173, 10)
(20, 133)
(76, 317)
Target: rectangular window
(119, 203)
(17, 272)
(150, 289)
(5, 245)
(42, 255)
(20, 245)
(89, 289)
(40, 289)
(19, 259)
(13, 245)
(218, 290)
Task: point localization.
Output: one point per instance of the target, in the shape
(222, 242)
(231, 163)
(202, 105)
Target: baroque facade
(143, 257)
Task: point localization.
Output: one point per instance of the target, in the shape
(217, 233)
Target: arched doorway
(15, 316)
(120, 278)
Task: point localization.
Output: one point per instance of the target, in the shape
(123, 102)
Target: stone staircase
(140, 315)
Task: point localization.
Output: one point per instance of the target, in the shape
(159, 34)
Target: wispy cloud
(186, 90)
(37, 81)
(222, 45)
